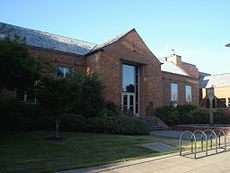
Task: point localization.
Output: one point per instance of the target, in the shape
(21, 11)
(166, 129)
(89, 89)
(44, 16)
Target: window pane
(128, 78)
(63, 71)
(188, 93)
(174, 92)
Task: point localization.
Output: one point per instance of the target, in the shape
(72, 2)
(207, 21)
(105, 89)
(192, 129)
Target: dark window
(64, 71)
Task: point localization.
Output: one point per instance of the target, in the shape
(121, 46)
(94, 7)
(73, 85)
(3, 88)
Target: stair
(153, 126)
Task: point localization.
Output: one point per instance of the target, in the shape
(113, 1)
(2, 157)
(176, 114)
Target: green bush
(183, 114)
(169, 114)
(200, 115)
(15, 115)
(73, 122)
(221, 117)
(109, 109)
(117, 125)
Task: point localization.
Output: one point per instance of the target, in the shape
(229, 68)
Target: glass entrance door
(128, 102)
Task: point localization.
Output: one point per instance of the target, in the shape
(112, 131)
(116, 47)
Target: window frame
(64, 73)
(186, 100)
(176, 101)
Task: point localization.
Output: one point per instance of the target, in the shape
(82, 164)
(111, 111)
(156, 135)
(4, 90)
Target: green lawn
(31, 152)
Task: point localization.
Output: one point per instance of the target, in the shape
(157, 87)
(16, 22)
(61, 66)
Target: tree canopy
(18, 69)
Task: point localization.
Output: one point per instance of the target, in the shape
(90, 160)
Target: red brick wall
(169, 78)
(57, 58)
(108, 64)
(190, 69)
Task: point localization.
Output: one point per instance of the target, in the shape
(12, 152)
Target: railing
(160, 122)
(202, 137)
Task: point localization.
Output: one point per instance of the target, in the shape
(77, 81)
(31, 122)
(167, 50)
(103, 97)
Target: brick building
(180, 81)
(132, 75)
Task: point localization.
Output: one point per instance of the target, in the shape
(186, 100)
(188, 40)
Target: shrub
(73, 122)
(184, 109)
(200, 115)
(117, 125)
(168, 114)
(109, 109)
(221, 116)
(15, 115)
(183, 114)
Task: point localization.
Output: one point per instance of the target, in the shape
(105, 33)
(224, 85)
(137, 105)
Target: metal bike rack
(192, 137)
(206, 136)
(219, 138)
(211, 137)
(202, 140)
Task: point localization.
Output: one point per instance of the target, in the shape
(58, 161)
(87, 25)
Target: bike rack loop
(214, 133)
(180, 141)
(206, 139)
(219, 136)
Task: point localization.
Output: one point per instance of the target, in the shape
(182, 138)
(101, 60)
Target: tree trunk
(57, 128)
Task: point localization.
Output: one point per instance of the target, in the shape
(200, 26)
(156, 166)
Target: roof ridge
(220, 74)
(110, 41)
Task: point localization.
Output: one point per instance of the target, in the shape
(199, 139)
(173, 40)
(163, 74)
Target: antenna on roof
(173, 51)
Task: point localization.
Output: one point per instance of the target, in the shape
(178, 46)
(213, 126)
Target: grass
(28, 152)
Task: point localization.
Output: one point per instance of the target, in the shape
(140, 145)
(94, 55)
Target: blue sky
(196, 29)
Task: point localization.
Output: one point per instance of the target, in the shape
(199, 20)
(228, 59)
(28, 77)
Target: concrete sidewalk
(173, 163)
(167, 133)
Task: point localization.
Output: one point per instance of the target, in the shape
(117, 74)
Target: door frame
(128, 94)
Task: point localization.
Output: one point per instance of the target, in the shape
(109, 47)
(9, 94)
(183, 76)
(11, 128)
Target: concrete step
(151, 124)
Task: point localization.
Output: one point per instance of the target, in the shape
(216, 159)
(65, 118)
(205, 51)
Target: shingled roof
(219, 80)
(46, 40)
(110, 41)
(51, 41)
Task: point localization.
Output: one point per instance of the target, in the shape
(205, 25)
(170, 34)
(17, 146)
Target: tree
(91, 101)
(54, 96)
(18, 69)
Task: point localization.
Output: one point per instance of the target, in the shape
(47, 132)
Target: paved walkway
(167, 133)
(173, 163)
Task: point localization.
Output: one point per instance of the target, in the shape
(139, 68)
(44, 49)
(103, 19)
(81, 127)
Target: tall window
(64, 71)
(130, 87)
(174, 93)
(128, 83)
(188, 94)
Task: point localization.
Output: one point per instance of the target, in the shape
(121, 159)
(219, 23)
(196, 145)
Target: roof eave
(227, 45)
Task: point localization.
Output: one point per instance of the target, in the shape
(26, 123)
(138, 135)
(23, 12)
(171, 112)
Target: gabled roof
(219, 80)
(46, 40)
(172, 68)
(110, 41)
(55, 42)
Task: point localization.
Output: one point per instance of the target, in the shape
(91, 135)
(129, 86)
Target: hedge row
(189, 114)
(18, 116)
